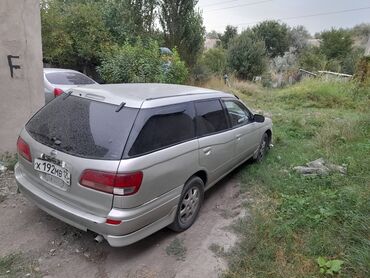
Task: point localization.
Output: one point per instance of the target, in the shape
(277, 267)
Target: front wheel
(262, 149)
(189, 205)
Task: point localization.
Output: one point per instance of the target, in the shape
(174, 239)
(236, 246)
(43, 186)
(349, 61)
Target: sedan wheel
(189, 205)
(262, 148)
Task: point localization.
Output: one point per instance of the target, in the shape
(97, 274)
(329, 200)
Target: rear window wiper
(67, 95)
(41, 135)
(120, 106)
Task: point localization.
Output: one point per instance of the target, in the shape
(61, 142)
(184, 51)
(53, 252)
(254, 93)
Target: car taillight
(24, 149)
(58, 92)
(122, 184)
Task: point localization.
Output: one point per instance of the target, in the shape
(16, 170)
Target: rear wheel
(189, 205)
(262, 149)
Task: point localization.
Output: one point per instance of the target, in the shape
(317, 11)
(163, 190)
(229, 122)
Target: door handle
(238, 136)
(207, 151)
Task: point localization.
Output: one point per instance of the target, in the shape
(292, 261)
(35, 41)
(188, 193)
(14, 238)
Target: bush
(312, 59)
(247, 56)
(142, 62)
(215, 60)
(178, 72)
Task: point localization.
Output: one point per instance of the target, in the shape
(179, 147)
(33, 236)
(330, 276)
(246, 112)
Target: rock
(318, 163)
(52, 251)
(28, 274)
(338, 168)
(87, 254)
(36, 269)
(319, 167)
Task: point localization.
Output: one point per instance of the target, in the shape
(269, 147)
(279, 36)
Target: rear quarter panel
(163, 171)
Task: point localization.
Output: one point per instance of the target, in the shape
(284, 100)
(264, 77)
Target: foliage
(312, 59)
(9, 160)
(215, 60)
(16, 265)
(178, 72)
(183, 28)
(299, 38)
(177, 249)
(132, 63)
(213, 35)
(336, 44)
(329, 266)
(284, 63)
(200, 73)
(363, 71)
(350, 61)
(141, 62)
(73, 34)
(229, 33)
(295, 219)
(275, 35)
(246, 55)
(129, 19)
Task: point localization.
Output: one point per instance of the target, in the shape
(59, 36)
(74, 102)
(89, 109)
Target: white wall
(22, 94)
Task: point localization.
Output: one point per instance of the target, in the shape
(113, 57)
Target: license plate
(52, 169)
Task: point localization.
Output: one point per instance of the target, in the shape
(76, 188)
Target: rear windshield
(83, 127)
(68, 78)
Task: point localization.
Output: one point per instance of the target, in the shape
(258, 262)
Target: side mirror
(258, 118)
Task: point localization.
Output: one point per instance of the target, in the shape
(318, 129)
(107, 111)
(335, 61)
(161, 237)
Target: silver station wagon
(127, 160)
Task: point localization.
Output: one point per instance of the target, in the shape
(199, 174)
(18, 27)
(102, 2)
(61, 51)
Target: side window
(160, 127)
(238, 114)
(210, 117)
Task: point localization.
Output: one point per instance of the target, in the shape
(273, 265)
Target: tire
(262, 149)
(189, 205)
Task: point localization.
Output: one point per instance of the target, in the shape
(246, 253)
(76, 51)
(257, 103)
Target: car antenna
(120, 106)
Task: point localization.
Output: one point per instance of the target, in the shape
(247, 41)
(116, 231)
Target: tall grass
(297, 219)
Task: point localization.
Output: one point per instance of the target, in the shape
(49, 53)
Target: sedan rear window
(83, 127)
(68, 78)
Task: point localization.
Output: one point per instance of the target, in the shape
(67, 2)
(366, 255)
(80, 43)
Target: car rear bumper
(137, 223)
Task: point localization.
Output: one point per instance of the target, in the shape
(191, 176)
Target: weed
(218, 250)
(329, 266)
(177, 249)
(9, 160)
(17, 265)
(297, 219)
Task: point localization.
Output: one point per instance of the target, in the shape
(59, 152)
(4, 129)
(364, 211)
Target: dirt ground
(59, 250)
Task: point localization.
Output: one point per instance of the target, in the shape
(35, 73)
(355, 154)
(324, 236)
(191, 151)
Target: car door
(246, 132)
(216, 139)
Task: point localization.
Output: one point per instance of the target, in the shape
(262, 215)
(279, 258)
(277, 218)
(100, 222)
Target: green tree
(73, 33)
(132, 63)
(275, 35)
(142, 62)
(177, 72)
(247, 55)
(183, 28)
(215, 60)
(129, 19)
(336, 44)
(229, 33)
(312, 59)
(299, 37)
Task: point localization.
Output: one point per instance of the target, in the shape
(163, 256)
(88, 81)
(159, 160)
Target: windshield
(68, 78)
(83, 127)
